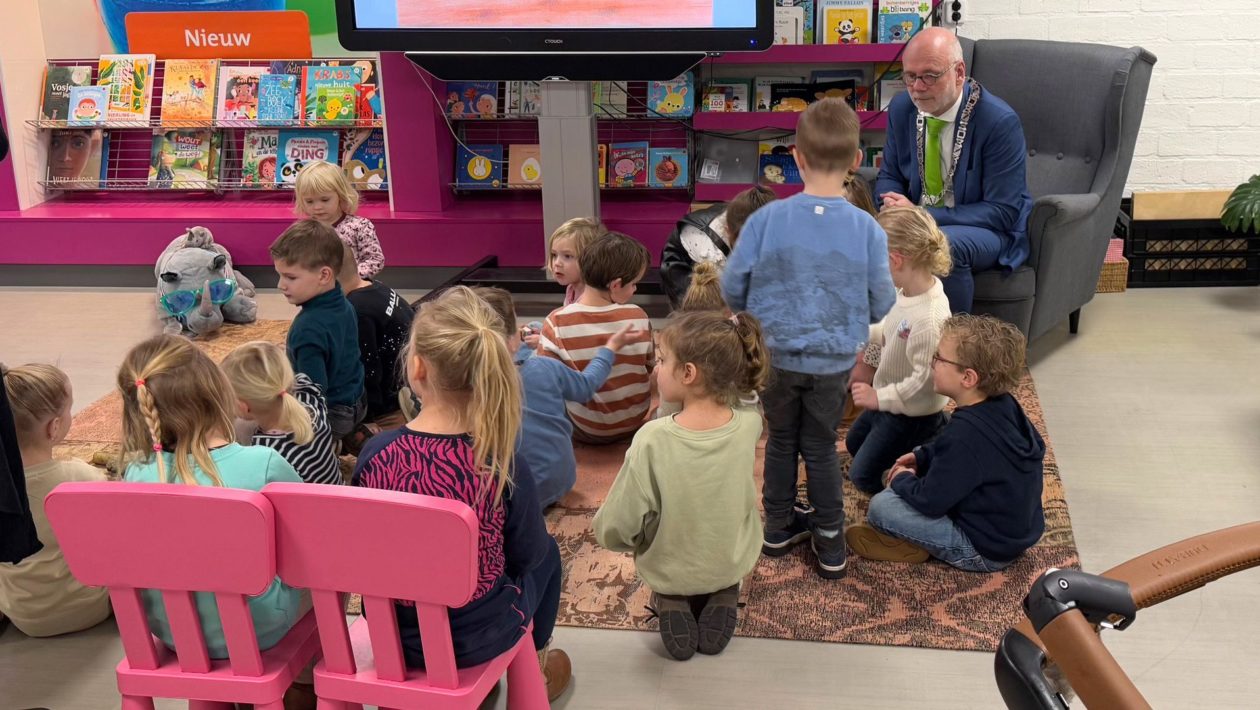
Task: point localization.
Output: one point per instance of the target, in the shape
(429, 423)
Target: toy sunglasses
(177, 303)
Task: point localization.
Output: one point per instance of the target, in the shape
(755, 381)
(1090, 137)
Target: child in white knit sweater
(900, 409)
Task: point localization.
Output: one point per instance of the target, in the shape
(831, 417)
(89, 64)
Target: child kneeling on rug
(684, 501)
(972, 497)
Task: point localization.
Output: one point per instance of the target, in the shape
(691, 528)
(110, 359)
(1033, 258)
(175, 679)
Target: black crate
(1187, 237)
(1182, 270)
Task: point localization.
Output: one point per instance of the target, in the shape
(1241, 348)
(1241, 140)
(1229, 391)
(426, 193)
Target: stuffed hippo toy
(197, 289)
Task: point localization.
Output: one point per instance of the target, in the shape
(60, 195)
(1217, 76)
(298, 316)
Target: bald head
(933, 69)
(936, 42)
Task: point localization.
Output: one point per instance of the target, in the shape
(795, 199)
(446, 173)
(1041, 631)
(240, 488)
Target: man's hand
(864, 396)
(893, 199)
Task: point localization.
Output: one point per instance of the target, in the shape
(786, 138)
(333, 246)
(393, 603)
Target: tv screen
(512, 26)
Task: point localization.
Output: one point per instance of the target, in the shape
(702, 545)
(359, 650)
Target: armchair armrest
(1051, 212)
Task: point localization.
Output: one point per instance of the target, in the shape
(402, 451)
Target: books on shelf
(129, 79)
(277, 99)
(299, 148)
(363, 158)
(674, 98)
(522, 98)
(259, 151)
(795, 97)
(335, 106)
(667, 167)
(775, 163)
(479, 167)
(899, 20)
(726, 95)
(890, 84)
(328, 91)
(601, 152)
(862, 81)
(845, 21)
(238, 93)
(188, 89)
(55, 104)
(789, 25)
(726, 160)
(628, 163)
(761, 89)
(610, 99)
(524, 165)
(472, 99)
(807, 17)
(88, 105)
(180, 158)
(78, 157)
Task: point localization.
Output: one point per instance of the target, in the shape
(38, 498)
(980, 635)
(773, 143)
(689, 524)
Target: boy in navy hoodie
(972, 497)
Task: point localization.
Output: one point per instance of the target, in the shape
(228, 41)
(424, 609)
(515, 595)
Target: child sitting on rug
(546, 384)
(384, 324)
(612, 267)
(39, 594)
(177, 429)
(323, 193)
(287, 410)
(971, 497)
(564, 255)
(463, 446)
(685, 502)
(901, 410)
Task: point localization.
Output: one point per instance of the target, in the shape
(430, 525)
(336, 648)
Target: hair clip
(139, 382)
(157, 447)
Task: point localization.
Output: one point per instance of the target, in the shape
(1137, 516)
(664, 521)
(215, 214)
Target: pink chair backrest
(384, 545)
(177, 539)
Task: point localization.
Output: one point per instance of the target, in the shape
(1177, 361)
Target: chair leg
(326, 704)
(1074, 321)
(136, 702)
(275, 705)
(526, 688)
(209, 705)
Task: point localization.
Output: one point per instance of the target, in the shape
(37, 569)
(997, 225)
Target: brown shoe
(557, 671)
(717, 620)
(872, 544)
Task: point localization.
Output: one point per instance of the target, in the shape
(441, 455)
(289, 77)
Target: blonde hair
(991, 347)
(37, 393)
(262, 377)
(913, 233)
(320, 177)
(458, 335)
(579, 230)
(729, 352)
(174, 399)
(827, 135)
(501, 301)
(704, 293)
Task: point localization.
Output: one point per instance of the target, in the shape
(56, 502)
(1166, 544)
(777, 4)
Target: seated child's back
(384, 323)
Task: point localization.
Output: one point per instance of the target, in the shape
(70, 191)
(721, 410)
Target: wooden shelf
(814, 54)
(786, 120)
(724, 191)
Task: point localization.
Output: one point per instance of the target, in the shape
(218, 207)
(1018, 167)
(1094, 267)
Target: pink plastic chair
(179, 539)
(390, 545)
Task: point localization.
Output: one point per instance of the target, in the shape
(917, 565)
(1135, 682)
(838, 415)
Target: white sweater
(908, 336)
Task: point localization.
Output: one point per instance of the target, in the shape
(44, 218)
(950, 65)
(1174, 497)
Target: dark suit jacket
(990, 184)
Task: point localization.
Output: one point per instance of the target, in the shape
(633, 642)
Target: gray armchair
(1081, 106)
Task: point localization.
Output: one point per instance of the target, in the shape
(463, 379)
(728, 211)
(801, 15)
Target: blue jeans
(941, 537)
(972, 249)
(803, 412)
(876, 439)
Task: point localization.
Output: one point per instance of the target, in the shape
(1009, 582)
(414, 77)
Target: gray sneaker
(831, 554)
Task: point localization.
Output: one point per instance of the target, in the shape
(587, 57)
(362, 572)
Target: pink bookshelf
(753, 120)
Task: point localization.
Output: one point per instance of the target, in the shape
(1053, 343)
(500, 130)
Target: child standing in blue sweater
(813, 269)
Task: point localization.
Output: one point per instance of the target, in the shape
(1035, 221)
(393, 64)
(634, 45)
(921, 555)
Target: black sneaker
(777, 543)
(831, 555)
(679, 631)
(717, 620)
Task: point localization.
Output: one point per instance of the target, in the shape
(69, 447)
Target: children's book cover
(363, 158)
(862, 87)
(524, 165)
(180, 158)
(277, 99)
(335, 106)
(727, 95)
(779, 169)
(299, 148)
(363, 104)
(602, 152)
(238, 93)
(188, 90)
(531, 98)
(808, 13)
(899, 20)
(789, 25)
(259, 151)
(610, 99)
(512, 98)
(479, 167)
(77, 157)
(216, 157)
(129, 78)
(846, 21)
(761, 89)
(58, 81)
(88, 105)
(790, 97)
(890, 85)
(319, 77)
(667, 167)
(472, 99)
(675, 98)
(628, 163)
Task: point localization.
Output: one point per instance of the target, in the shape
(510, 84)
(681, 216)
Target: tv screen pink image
(555, 14)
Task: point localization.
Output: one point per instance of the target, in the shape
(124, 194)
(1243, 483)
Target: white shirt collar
(952, 114)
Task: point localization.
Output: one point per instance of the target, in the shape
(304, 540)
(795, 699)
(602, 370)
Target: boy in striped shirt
(612, 267)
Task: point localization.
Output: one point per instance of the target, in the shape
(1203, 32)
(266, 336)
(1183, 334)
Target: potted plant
(1241, 212)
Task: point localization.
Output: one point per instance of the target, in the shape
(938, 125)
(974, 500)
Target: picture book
(77, 157)
(363, 105)
(277, 99)
(601, 151)
(472, 99)
(58, 81)
(258, 157)
(188, 90)
(726, 160)
(512, 98)
(675, 98)
(778, 169)
(180, 158)
(129, 78)
(729, 95)
(334, 106)
(862, 90)
(321, 77)
(524, 165)
(88, 105)
(479, 167)
(807, 10)
(795, 97)
(238, 93)
(628, 163)
(789, 25)
(530, 98)
(781, 144)
(761, 89)
(216, 157)
(363, 158)
(899, 20)
(667, 167)
(845, 21)
(889, 87)
(299, 148)
(610, 99)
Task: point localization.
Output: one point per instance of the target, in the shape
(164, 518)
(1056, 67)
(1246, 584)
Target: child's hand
(864, 396)
(906, 461)
(894, 472)
(626, 335)
(861, 372)
(531, 339)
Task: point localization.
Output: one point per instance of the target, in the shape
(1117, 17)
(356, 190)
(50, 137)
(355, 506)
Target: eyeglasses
(929, 80)
(177, 303)
(936, 357)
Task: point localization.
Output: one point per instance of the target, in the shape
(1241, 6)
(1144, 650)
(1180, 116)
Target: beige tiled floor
(1154, 413)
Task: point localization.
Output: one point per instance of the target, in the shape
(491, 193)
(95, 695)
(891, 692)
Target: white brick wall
(1201, 128)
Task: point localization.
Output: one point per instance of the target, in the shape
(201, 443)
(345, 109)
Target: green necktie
(932, 183)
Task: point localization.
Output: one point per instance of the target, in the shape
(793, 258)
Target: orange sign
(284, 34)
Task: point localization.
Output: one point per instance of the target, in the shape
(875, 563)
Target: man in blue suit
(973, 181)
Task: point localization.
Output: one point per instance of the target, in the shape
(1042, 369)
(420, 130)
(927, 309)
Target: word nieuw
(201, 38)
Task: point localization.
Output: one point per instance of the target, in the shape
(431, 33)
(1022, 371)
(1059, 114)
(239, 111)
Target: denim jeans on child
(343, 418)
(876, 439)
(803, 412)
(941, 537)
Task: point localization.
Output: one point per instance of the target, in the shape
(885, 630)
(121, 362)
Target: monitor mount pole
(567, 139)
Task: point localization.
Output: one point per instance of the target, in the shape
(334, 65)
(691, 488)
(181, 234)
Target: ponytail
(913, 233)
(496, 407)
(728, 352)
(704, 293)
(262, 377)
(295, 418)
(756, 355)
